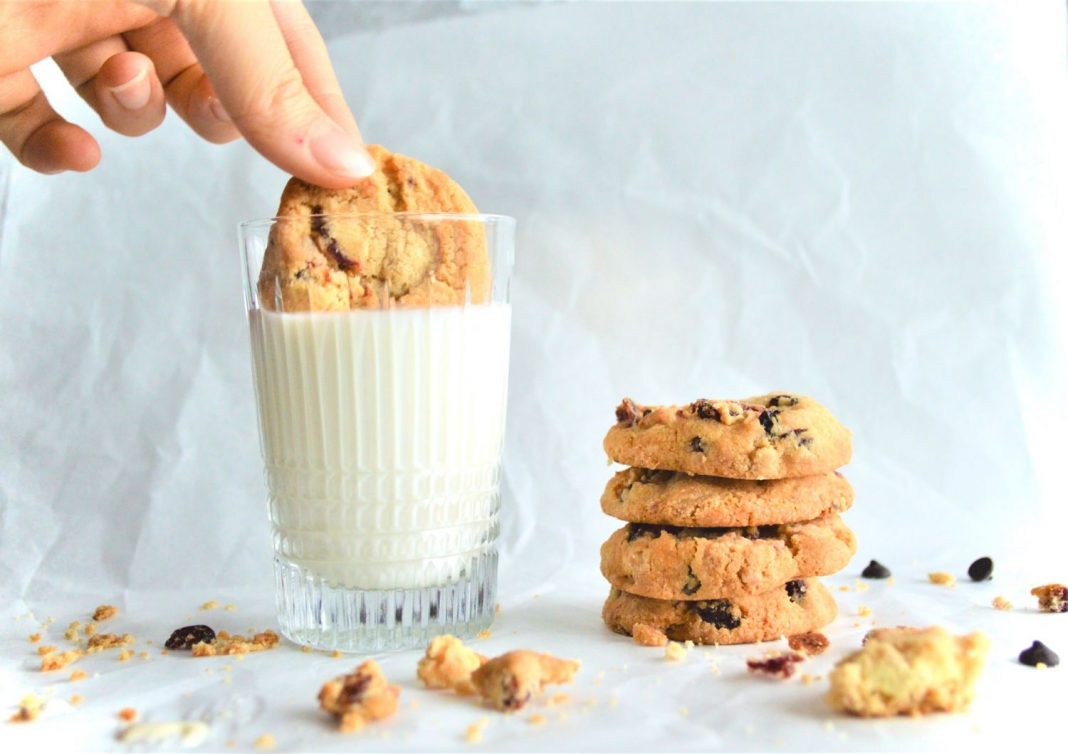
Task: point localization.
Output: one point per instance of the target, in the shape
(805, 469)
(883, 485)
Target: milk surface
(381, 434)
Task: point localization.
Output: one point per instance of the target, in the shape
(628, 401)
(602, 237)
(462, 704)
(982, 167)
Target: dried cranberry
(705, 410)
(767, 420)
(186, 637)
(318, 222)
(796, 590)
(697, 445)
(343, 262)
(627, 413)
(781, 666)
(720, 613)
(783, 400)
(692, 584)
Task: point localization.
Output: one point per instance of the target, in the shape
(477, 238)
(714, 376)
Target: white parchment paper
(863, 202)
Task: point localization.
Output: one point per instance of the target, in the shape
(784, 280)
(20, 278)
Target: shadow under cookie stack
(732, 510)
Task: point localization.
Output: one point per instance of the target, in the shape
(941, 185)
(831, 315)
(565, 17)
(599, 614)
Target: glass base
(317, 614)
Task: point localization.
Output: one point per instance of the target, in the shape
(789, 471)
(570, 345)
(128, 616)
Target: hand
(255, 68)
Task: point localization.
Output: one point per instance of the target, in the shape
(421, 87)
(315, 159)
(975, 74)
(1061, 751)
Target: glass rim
(482, 217)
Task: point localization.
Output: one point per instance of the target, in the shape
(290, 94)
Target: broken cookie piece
(1052, 598)
(909, 671)
(510, 681)
(448, 664)
(360, 697)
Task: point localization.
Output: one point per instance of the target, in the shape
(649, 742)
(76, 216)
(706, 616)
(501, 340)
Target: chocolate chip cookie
(365, 247)
(675, 563)
(799, 606)
(772, 436)
(650, 496)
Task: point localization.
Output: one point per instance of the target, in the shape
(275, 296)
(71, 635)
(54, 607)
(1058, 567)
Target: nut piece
(448, 664)
(1052, 598)
(812, 643)
(359, 698)
(909, 671)
(510, 681)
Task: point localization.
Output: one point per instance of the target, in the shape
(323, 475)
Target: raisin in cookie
(908, 671)
(773, 436)
(649, 496)
(796, 607)
(338, 249)
(675, 563)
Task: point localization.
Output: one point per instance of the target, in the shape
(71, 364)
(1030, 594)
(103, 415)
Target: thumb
(244, 53)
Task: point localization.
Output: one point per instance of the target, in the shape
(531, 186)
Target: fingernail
(340, 153)
(218, 110)
(135, 93)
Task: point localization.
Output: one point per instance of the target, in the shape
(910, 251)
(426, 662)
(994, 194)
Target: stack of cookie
(732, 509)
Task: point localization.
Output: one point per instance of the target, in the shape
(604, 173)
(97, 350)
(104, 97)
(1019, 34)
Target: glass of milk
(381, 432)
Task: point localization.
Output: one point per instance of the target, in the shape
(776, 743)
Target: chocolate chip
(705, 410)
(875, 570)
(1039, 653)
(697, 445)
(981, 570)
(767, 420)
(720, 613)
(796, 590)
(780, 666)
(627, 413)
(783, 401)
(187, 636)
(693, 584)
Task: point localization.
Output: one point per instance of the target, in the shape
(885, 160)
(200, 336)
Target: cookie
(448, 664)
(675, 563)
(339, 249)
(908, 671)
(796, 607)
(648, 496)
(775, 436)
(510, 681)
(360, 697)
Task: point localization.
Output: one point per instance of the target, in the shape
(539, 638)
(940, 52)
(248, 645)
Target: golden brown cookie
(774, 436)
(649, 496)
(675, 563)
(794, 608)
(339, 249)
(908, 671)
(510, 681)
(448, 664)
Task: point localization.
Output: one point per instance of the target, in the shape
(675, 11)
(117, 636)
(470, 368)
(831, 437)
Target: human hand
(253, 68)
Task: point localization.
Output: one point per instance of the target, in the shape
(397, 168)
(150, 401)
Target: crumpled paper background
(863, 202)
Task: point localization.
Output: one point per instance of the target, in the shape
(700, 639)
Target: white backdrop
(862, 202)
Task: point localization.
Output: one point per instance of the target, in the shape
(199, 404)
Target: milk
(381, 434)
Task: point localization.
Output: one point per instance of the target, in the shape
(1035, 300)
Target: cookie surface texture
(672, 563)
(774, 436)
(340, 249)
(649, 496)
(794, 608)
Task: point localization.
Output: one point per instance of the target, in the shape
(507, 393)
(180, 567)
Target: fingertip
(207, 115)
(58, 146)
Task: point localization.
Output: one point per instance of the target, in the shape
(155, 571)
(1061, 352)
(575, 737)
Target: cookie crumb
(337, 654)
(232, 608)
(1052, 598)
(448, 664)
(648, 636)
(90, 629)
(863, 611)
(239, 646)
(30, 708)
(46, 649)
(71, 634)
(264, 742)
(144, 656)
(674, 651)
(100, 642)
(843, 588)
(210, 605)
(484, 634)
(76, 699)
(57, 660)
(103, 612)
(1000, 603)
(305, 649)
(127, 714)
(558, 698)
(942, 578)
(536, 719)
(78, 675)
(473, 734)
(33, 638)
(125, 655)
(807, 679)
(810, 643)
